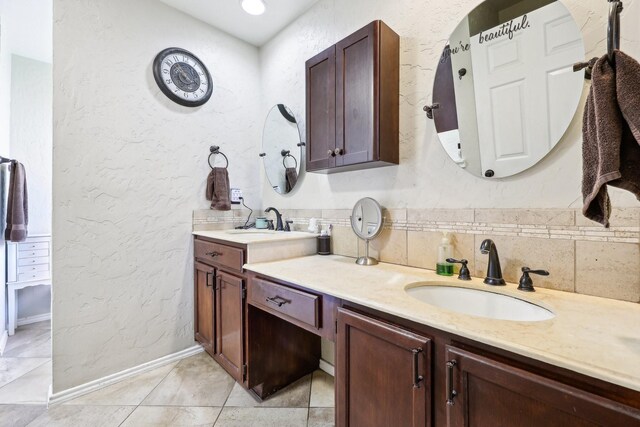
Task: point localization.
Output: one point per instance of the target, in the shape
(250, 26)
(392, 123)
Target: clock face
(182, 77)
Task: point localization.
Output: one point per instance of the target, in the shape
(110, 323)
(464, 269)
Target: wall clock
(182, 77)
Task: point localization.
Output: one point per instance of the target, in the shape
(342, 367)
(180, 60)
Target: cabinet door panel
(204, 306)
(357, 97)
(377, 365)
(321, 109)
(492, 393)
(230, 323)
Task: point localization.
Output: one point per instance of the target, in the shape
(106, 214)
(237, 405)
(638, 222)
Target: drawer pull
(417, 378)
(279, 301)
(213, 254)
(451, 393)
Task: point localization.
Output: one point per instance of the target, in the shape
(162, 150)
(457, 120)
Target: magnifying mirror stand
(366, 259)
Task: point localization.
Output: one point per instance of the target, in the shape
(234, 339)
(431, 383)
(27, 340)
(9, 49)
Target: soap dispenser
(445, 250)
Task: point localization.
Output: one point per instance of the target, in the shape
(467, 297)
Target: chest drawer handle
(213, 254)
(279, 301)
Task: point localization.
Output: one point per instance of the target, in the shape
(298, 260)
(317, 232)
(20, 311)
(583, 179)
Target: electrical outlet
(236, 195)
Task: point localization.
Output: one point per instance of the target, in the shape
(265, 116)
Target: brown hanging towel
(611, 135)
(219, 179)
(18, 205)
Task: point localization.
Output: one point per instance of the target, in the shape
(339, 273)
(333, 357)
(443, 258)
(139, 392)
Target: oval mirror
(366, 222)
(505, 88)
(281, 149)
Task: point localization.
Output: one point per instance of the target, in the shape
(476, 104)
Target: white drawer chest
(28, 264)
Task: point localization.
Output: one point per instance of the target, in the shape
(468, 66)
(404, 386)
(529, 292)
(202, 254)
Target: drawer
(33, 261)
(33, 268)
(33, 253)
(29, 246)
(282, 300)
(222, 255)
(36, 275)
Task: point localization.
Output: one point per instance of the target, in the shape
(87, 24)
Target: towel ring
(285, 154)
(216, 150)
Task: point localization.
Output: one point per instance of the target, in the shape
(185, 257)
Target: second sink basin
(481, 303)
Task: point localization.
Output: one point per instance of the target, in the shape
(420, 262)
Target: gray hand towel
(291, 176)
(611, 135)
(219, 179)
(18, 205)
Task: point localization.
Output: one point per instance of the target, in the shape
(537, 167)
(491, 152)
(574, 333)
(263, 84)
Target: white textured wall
(31, 144)
(129, 169)
(426, 177)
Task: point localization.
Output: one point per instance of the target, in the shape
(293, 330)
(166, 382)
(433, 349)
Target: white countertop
(251, 236)
(594, 336)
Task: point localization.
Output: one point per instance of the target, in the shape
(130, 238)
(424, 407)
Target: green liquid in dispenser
(444, 269)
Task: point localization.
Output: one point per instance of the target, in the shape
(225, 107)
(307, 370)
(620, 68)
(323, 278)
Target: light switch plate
(236, 194)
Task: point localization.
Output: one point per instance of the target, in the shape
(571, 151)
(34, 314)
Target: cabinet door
(357, 97)
(230, 323)
(203, 306)
(383, 374)
(485, 392)
(321, 110)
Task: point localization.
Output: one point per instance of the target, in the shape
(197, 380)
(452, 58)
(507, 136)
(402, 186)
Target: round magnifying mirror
(505, 88)
(366, 222)
(281, 149)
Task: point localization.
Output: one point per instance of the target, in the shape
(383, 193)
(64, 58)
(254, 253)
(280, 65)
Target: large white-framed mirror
(281, 149)
(505, 89)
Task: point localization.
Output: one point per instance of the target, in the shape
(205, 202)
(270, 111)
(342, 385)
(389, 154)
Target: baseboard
(72, 393)
(4, 336)
(327, 367)
(33, 319)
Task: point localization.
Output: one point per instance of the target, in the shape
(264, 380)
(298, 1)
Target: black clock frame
(157, 75)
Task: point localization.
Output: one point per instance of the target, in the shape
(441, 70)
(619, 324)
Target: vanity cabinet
(482, 391)
(219, 303)
(352, 102)
(383, 374)
(204, 324)
(229, 318)
(380, 359)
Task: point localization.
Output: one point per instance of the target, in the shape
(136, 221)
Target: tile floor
(195, 391)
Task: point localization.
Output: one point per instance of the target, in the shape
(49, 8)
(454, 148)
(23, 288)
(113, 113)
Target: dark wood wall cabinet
(352, 102)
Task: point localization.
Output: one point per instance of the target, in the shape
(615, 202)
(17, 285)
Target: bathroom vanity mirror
(505, 91)
(281, 149)
(366, 222)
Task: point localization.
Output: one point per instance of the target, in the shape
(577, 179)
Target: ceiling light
(253, 7)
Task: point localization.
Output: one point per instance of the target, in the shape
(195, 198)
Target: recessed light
(253, 7)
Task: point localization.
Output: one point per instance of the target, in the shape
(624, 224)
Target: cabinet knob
(339, 151)
(331, 153)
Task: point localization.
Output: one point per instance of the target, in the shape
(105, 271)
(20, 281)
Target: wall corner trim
(91, 386)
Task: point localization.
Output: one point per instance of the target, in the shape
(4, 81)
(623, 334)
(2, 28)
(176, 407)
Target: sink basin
(476, 302)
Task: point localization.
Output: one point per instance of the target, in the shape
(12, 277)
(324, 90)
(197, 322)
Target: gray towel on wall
(218, 189)
(291, 176)
(18, 205)
(611, 135)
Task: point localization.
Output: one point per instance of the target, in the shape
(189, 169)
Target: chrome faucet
(279, 226)
(494, 272)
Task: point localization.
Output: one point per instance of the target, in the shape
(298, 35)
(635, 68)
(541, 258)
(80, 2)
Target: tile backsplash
(581, 255)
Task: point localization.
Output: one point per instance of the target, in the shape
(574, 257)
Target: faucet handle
(288, 227)
(526, 284)
(464, 270)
